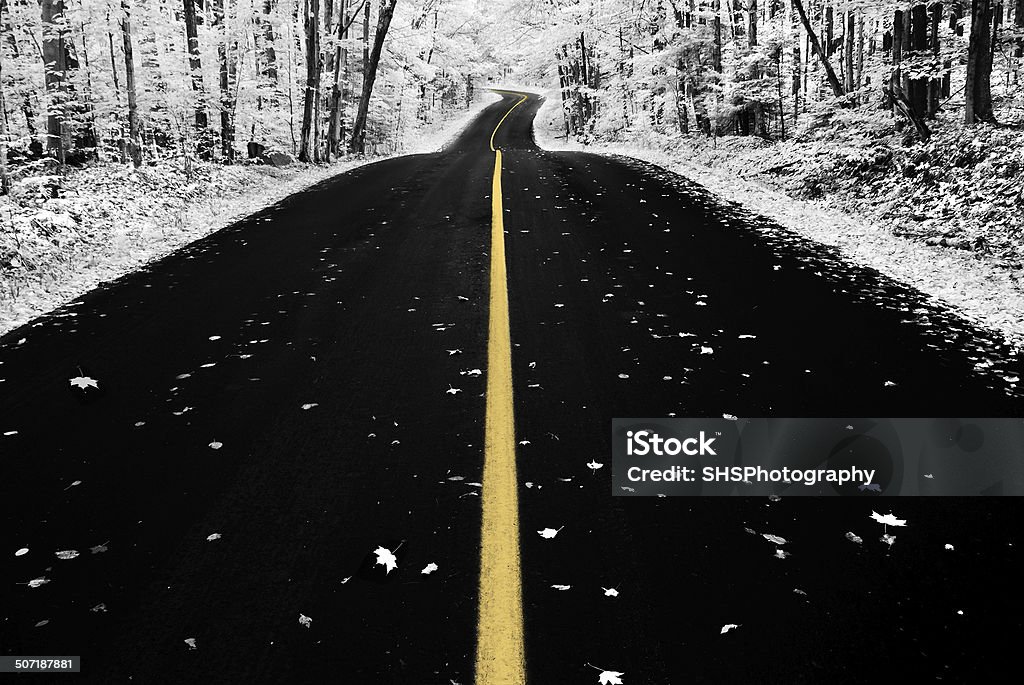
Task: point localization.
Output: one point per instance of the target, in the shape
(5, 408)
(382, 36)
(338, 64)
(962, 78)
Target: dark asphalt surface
(367, 296)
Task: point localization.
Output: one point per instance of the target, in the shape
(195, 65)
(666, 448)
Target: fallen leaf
(310, 405)
(191, 642)
(610, 678)
(429, 568)
(561, 587)
(216, 445)
(37, 582)
(549, 532)
(729, 626)
(67, 554)
(213, 536)
(593, 465)
(888, 519)
(305, 621)
(84, 382)
(774, 538)
(610, 592)
(386, 558)
(21, 552)
(853, 537)
(949, 547)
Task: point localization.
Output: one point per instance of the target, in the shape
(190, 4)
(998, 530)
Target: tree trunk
(752, 24)
(934, 84)
(833, 81)
(195, 65)
(5, 181)
(717, 59)
(848, 52)
(312, 27)
(334, 129)
(134, 144)
(225, 57)
(55, 70)
(978, 89)
(917, 90)
(387, 11)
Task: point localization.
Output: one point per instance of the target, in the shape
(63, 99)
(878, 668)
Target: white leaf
(213, 536)
(37, 582)
(305, 621)
(549, 532)
(610, 677)
(216, 445)
(593, 465)
(191, 642)
(949, 547)
(781, 554)
(729, 626)
(452, 391)
(888, 519)
(84, 382)
(386, 558)
(67, 554)
(429, 568)
(888, 539)
(310, 405)
(706, 350)
(21, 552)
(728, 417)
(561, 587)
(853, 537)
(774, 538)
(610, 592)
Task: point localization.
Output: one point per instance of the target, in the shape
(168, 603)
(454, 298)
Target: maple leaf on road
(386, 558)
(888, 519)
(429, 568)
(610, 677)
(84, 382)
(549, 532)
(729, 626)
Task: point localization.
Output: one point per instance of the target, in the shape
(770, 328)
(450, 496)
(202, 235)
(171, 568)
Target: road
(280, 399)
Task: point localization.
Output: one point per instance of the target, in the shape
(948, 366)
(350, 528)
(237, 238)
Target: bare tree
(978, 90)
(307, 146)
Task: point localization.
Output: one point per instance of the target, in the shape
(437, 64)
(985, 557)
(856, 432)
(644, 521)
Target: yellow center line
(500, 655)
(522, 98)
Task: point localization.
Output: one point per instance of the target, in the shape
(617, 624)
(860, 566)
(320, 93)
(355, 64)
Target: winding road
(328, 377)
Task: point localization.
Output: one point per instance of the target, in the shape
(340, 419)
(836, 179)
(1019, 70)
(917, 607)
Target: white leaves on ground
(549, 533)
(888, 519)
(216, 445)
(429, 568)
(309, 406)
(213, 536)
(84, 382)
(305, 621)
(729, 626)
(561, 587)
(853, 537)
(610, 592)
(774, 538)
(21, 552)
(610, 678)
(386, 558)
(191, 642)
(38, 582)
(67, 554)
(593, 465)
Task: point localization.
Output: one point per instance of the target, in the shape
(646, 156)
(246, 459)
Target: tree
(134, 143)
(978, 89)
(833, 81)
(387, 10)
(5, 181)
(195, 65)
(307, 148)
(56, 64)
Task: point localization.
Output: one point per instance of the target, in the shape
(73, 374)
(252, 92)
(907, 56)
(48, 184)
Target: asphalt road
(307, 385)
